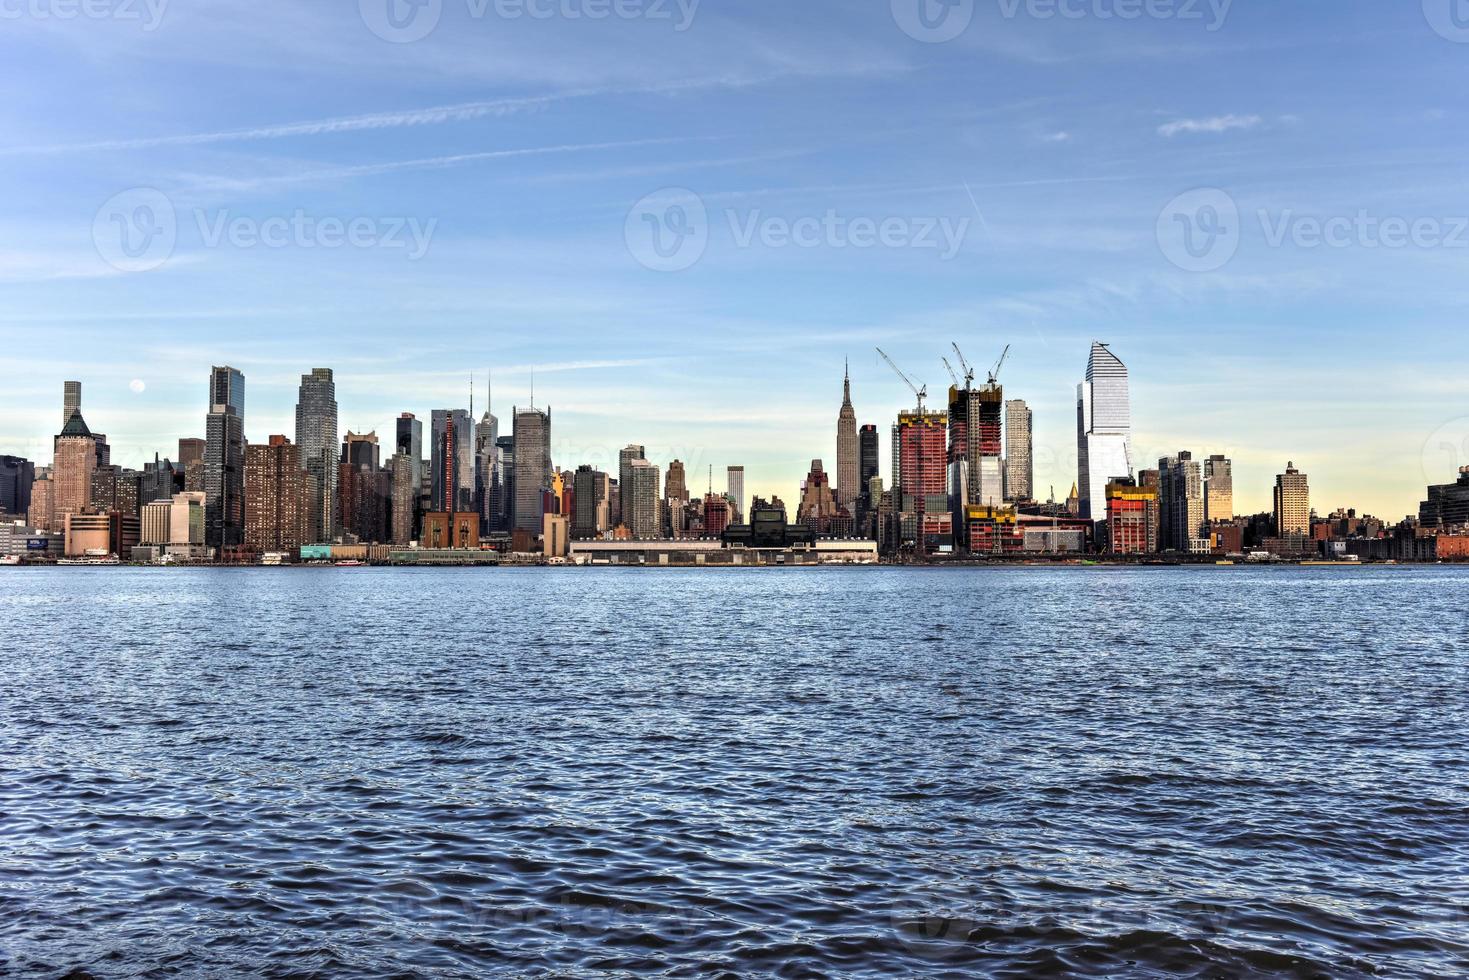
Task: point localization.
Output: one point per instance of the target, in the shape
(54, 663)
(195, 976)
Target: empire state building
(849, 482)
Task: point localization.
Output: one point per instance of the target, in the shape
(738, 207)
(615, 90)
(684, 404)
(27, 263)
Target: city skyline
(1052, 460)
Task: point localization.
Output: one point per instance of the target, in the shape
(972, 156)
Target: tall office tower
(867, 468)
(640, 500)
(452, 460)
(224, 459)
(403, 472)
(677, 486)
(316, 441)
(532, 467)
(1019, 454)
(364, 489)
(1180, 501)
(1218, 489)
(502, 492)
(849, 463)
(276, 502)
(407, 478)
(919, 445)
(16, 477)
(486, 466)
(591, 489)
(1292, 502)
(735, 476)
(676, 498)
(1103, 430)
(410, 439)
(625, 460)
(72, 467)
(71, 400)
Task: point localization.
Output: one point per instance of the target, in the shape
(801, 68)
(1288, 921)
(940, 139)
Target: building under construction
(922, 466)
(976, 416)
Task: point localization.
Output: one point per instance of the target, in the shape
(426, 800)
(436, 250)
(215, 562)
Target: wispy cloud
(422, 163)
(341, 124)
(1213, 124)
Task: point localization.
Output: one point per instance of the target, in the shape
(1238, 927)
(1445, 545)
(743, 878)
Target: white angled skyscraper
(1103, 430)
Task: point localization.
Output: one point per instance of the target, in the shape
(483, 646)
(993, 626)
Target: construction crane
(951, 370)
(922, 393)
(995, 374)
(968, 371)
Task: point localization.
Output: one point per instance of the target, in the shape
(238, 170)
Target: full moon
(137, 385)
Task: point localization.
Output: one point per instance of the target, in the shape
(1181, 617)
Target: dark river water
(368, 772)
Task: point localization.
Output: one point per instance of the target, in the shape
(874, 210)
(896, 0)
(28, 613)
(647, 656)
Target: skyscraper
(364, 490)
(919, 441)
(849, 479)
(276, 501)
(640, 500)
(1019, 456)
(736, 492)
(452, 461)
(1218, 489)
(867, 468)
(625, 460)
(976, 444)
(224, 459)
(408, 475)
(1292, 502)
(591, 489)
(533, 467)
(72, 466)
(316, 442)
(1103, 430)
(675, 500)
(71, 400)
(486, 466)
(1180, 501)
(16, 477)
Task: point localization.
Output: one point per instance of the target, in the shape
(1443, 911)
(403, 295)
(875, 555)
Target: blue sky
(820, 151)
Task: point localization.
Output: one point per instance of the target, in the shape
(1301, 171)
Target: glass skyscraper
(316, 437)
(224, 459)
(1103, 430)
(532, 466)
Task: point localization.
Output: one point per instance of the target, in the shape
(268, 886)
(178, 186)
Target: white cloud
(1213, 124)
